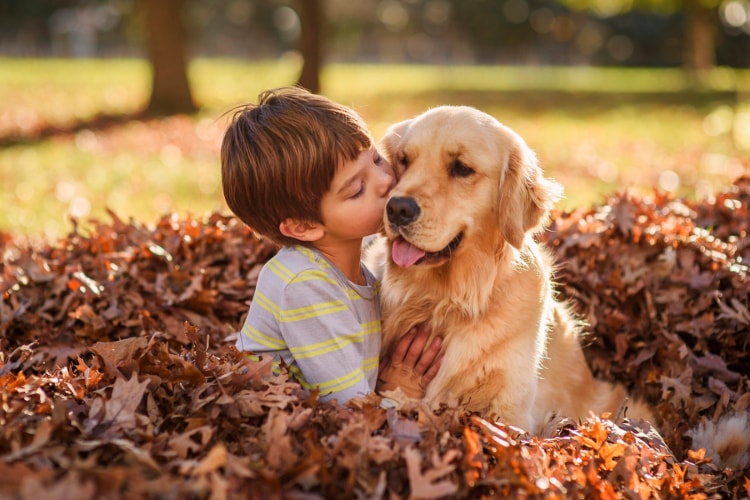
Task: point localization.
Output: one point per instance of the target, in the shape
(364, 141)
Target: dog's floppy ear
(526, 196)
(392, 136)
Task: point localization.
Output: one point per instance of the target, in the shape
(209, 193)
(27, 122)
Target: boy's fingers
(432, 371)
(429, 356)
(385, 362)
(417, 346)
(403, 346)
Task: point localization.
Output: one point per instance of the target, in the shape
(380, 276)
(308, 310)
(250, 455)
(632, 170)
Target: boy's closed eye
(360, 191)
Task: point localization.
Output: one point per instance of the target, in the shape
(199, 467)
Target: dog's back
(567, 390)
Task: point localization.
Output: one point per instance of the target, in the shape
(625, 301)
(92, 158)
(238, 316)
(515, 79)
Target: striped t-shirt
(324, 327)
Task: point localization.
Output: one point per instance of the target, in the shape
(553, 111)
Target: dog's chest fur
(464, 305)
(493, 322)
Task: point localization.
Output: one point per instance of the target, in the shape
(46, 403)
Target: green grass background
(595, 130)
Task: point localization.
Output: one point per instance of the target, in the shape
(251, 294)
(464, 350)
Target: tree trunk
(700, 54)
(311, 21)
(165, 42)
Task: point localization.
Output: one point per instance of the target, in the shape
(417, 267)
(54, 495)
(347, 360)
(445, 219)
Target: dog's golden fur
(510, 349)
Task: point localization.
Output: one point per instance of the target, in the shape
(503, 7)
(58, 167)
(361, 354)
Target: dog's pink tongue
(404, 253)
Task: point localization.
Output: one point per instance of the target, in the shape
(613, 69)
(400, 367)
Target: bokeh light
(736, 14)
(393, 15)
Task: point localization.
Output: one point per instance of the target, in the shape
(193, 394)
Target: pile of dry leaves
(118, 379)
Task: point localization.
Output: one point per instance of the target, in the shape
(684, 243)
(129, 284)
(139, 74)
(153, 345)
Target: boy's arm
(413, 364)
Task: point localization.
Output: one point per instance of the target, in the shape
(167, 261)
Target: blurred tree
(312, 21)
(700, 23)
(166, 44)
(700, 31)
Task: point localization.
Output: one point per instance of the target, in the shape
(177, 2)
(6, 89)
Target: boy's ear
(301, 230)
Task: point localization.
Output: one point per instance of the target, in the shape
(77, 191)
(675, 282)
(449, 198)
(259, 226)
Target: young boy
(303, 171)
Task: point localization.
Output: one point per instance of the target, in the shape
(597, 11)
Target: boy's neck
(347, 257)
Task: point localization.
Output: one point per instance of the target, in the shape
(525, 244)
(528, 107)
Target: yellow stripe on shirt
(264, 302)
(344, 382)
(263, 339)
(299, 377)
(312, 257)
(300, 313)
(371, 363)
(280, 270)
(336, 343)
(286, 275)
(311, 311)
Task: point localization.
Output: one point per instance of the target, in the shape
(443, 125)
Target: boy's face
(353, 207)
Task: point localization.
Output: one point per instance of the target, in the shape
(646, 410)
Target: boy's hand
(412, 365)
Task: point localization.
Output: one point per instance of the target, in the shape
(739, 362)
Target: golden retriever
(462, 258)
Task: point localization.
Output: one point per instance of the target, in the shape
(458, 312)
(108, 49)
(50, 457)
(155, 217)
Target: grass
(595, 130)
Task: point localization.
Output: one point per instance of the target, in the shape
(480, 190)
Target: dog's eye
(403, 161)
(460, 169)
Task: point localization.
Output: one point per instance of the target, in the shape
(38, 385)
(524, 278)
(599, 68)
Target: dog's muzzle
(402, 211)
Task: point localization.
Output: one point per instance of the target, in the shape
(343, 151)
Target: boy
(303, 172)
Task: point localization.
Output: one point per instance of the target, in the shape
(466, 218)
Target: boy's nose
(388, 182)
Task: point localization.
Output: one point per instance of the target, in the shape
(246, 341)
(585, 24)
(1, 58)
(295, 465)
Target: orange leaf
(679, 472)
(473, 456)
(610, 453)
(698, 456)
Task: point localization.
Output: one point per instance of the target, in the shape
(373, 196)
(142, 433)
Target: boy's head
(278, 157)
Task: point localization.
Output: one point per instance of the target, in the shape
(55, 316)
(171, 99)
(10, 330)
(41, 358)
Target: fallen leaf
(120, 408)
(427, 484)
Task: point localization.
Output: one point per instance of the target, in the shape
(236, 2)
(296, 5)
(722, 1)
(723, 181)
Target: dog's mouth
(404, 254)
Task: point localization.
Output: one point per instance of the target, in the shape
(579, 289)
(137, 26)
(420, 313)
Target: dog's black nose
(402, 210)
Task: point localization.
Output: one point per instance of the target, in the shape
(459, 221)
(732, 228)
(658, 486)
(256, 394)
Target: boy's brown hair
(278, 157)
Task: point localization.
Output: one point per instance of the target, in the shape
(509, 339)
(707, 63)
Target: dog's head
(463, 177)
